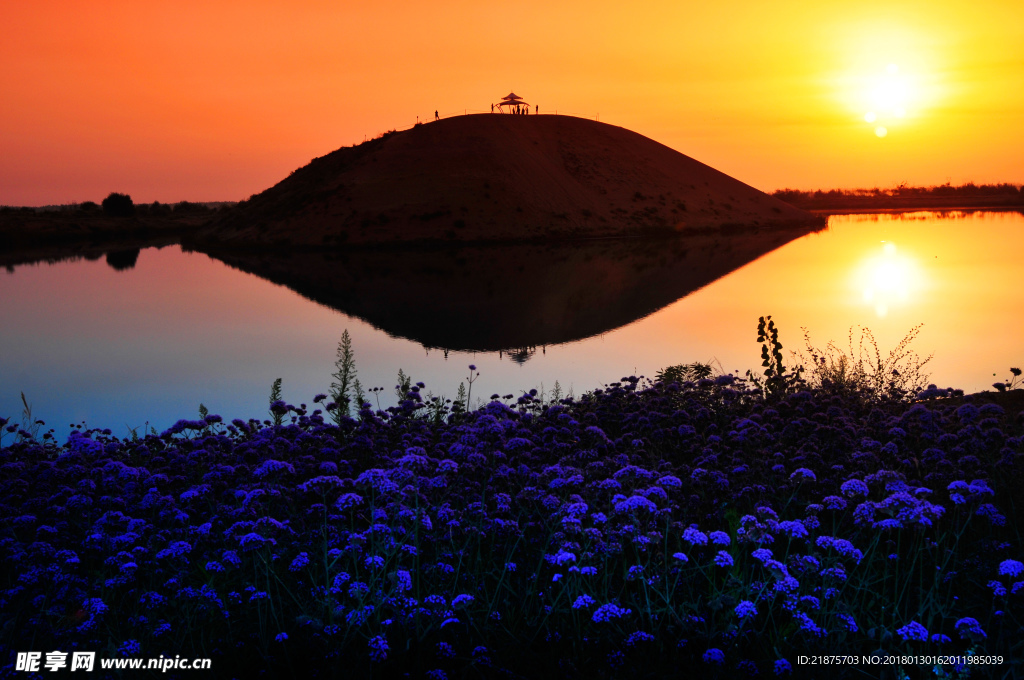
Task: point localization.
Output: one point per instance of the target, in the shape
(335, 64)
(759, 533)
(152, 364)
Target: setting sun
(887, 98)
(896, 81)
(891, 92)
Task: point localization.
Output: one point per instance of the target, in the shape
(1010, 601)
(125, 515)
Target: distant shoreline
(32, 227)
(904, 198)
(32, 235)
(925, 208)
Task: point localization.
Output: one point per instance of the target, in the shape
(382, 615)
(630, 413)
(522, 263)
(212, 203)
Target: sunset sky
(204, 101)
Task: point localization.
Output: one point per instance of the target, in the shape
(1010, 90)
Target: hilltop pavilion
(513, 102)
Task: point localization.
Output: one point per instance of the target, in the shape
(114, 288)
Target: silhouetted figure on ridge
(435, 115)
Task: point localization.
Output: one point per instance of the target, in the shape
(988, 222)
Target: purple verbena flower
(969, 628)
(793, 529)
(607, 612)
(378, 649)
(854, 487)
(913, 631)
(1011, 568)
(803, 475)
(714, 656)
(583, 602)
(746, 609)
(637, 637)
(694, 536)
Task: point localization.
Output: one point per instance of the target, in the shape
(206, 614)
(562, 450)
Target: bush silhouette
(118, 205)
(184, 207)
(122, 260)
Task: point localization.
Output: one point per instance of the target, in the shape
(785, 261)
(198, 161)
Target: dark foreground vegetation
(904, 197)
(709, 525)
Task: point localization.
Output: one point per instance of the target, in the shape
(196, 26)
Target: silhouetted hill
(496, 178)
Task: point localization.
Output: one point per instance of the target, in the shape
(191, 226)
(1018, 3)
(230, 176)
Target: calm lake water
(120, 348)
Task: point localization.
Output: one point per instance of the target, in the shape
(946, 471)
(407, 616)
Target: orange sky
(206, 101)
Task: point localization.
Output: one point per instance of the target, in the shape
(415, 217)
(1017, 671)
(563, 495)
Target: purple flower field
(642, 530)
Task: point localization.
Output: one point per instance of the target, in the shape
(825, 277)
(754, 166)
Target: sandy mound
(497, 178)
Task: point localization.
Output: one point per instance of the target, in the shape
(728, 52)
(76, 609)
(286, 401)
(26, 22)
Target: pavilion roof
(512, 96)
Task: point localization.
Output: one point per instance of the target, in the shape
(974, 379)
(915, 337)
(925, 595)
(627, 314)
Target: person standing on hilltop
(435, 115)
(536, 111)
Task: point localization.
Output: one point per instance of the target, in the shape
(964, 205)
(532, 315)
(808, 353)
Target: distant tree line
(1004, 193)
(121, 205)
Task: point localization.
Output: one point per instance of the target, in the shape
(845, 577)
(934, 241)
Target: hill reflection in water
(511, 298)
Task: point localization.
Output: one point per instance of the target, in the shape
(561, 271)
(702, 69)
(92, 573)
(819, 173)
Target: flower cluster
(657, 524)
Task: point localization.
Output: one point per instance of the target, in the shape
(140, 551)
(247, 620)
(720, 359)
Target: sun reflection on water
(888, 279)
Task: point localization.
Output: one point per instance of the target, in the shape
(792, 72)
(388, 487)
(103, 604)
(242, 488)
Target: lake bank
(93, 340)
(29, 235)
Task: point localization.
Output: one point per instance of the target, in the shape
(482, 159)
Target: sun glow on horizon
(215, 101)
(892, 79)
